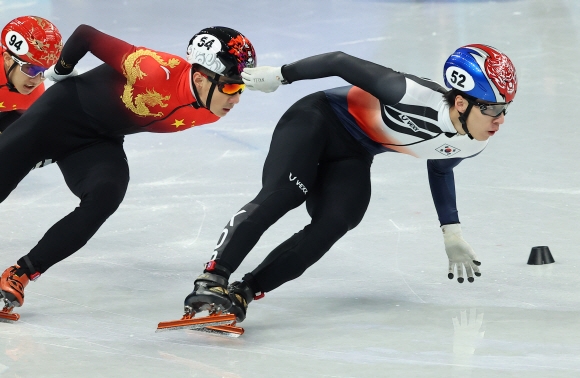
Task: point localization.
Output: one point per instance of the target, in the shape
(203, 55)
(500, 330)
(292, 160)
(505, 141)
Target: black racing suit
(321, 153)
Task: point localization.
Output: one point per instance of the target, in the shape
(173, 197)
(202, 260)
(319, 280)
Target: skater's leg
(290, 170)
(337, 205)
(49, 129)
(98, 175)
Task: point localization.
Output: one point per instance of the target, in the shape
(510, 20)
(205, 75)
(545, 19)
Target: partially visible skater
(322, 150)
(29, 46)
(81, 122)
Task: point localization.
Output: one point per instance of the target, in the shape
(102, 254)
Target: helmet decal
(492, 73)
(501, 71)
(203, 50)
(459, 78)
(16, 43)
(243, 52)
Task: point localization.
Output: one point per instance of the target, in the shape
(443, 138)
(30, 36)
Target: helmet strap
(463, 119)
(11, 86)
(216, 79)
(198, 103)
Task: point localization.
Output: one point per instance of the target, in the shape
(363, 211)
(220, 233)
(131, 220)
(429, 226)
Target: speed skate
(6, 314)
(214, 323)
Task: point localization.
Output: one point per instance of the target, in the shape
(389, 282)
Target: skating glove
(265, 79)
(460, 253)
(53, 76)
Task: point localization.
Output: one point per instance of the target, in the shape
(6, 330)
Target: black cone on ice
(540, 255)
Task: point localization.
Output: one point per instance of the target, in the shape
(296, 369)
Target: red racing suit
(138, 89)
(13, 103)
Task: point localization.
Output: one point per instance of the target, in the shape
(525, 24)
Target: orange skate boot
(12, 287)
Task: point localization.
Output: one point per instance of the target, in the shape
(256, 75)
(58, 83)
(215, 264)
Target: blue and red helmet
(482, 72)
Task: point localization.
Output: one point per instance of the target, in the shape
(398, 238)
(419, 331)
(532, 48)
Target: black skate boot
(241, 294)
(209, 293)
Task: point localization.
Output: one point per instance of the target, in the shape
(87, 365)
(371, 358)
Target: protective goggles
(492, 110)
(28, 69)
(225, 87)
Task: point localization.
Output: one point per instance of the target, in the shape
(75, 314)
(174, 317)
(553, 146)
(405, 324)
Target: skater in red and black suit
(80, 123)
(29, 45)
(322, 150)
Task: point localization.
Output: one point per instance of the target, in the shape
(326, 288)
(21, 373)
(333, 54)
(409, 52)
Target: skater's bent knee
(288, 198)
(339, 223)
(105, 195)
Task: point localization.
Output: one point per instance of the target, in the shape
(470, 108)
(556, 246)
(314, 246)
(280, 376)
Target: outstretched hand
(461, 255)
(266, 79)
(53, 76)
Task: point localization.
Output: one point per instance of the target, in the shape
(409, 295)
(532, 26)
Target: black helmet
(221, 50)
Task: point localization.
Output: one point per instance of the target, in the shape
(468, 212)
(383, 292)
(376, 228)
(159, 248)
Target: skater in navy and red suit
(80, 123)
(322, 150)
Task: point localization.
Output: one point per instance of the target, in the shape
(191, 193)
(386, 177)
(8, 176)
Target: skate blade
(7, 316)
(224, 330)
(188, 322)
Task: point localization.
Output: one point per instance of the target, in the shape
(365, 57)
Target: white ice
(379, 304)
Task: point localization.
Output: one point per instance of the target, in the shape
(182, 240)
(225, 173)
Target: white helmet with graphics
(221, 50)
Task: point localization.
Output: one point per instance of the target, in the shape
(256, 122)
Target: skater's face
(221, 103)
(481, 126)
(24, 84)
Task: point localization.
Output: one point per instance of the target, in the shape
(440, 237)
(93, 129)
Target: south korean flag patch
(447, 150)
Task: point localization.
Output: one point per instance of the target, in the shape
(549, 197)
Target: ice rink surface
(379, 303)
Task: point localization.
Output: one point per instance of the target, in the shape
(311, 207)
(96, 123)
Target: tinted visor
(229, 88)
(28, 69)
(493, 110)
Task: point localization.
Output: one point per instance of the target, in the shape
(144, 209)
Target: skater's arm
(387, 85)
(442, 184)
(462, 258)
(85, 39)
(382, 82)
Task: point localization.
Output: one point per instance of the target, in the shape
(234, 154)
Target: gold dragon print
(141, 103)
